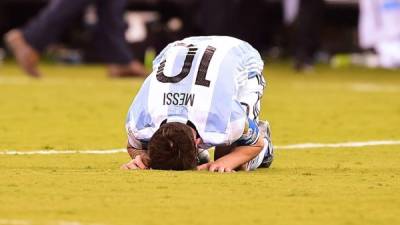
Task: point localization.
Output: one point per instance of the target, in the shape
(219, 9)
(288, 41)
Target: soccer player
(203, 92)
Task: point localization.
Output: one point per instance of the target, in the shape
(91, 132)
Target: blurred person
(239, 19)
(212, 22)
(28, 42)
(306, 18)
(379, 29)
(203, 92)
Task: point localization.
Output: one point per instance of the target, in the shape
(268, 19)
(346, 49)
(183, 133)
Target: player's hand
(215, 167)
(139, 162)
(204, 166)
(220, 167)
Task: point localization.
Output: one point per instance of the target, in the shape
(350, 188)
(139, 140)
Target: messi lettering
(174, 98)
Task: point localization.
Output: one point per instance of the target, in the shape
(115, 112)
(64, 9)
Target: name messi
(174, 98)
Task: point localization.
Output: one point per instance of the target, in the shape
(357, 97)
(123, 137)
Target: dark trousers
(308, 27)
(217, 17)
(243, 19)
(109, 39)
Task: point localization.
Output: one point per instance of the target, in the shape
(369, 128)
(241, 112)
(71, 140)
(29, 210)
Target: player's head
(173, 147)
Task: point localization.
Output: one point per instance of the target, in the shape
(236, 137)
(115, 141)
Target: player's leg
(110, 43)
(52, 21)
(268, 149)
(263, 159)
(251, 87)
(110, 32)
(203, 156)
(27, 43)
(221, 151)
(250, 96)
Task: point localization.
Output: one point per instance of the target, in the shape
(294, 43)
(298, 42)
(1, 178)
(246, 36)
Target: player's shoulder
(214, 40)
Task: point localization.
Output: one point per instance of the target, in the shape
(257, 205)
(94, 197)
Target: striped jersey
(196, 79)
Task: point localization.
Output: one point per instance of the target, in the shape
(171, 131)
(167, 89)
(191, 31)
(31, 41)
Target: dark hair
(172, 147)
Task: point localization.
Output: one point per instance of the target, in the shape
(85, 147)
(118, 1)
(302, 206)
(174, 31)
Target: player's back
(195, 79)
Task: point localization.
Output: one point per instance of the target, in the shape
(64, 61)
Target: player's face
(197, 140)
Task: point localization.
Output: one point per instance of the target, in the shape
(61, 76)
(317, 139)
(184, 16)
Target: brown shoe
(26, 56)
(133, 69)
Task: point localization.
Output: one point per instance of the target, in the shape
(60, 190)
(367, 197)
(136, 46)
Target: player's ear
(197, 141)
(146, 160)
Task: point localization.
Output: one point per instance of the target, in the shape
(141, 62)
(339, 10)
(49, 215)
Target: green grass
(80, 108)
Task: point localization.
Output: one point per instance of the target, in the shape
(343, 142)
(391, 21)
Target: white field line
(287, 147)
(368, 87)
(340, 145)
(56, 152)
(28, 222)
(14, 222)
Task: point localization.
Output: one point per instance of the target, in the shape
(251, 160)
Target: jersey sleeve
(137, 144)
(250, 134)
(134, 142)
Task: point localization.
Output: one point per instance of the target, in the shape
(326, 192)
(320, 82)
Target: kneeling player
(203, 92)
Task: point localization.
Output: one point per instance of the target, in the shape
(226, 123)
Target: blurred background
(338, 32)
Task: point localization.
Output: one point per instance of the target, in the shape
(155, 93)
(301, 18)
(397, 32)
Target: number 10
(187, 65)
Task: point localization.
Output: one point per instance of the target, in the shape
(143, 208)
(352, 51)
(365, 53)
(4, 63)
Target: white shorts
(266, 151)
(250, 94)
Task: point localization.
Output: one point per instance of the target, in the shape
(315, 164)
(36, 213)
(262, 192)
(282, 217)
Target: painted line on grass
(279, 147)
(29, 222)
(57, 152)
(368, 87)
(340, 145)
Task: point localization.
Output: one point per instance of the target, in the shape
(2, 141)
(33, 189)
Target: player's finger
(128, 166)
(131, 166)
(228, 170)
(124, 167)
(139, 163)
(221, 169)
(213, 168)
(204, 166)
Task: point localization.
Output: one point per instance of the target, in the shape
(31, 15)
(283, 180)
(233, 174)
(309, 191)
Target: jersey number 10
(187, 65)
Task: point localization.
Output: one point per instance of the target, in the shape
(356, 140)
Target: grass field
(79, 108)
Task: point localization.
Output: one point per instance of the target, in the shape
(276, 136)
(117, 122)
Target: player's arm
(140, 158)
(237, 158)
(239, 153)
(133, 152)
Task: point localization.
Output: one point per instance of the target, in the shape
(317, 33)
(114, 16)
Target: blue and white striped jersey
(196, 79)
